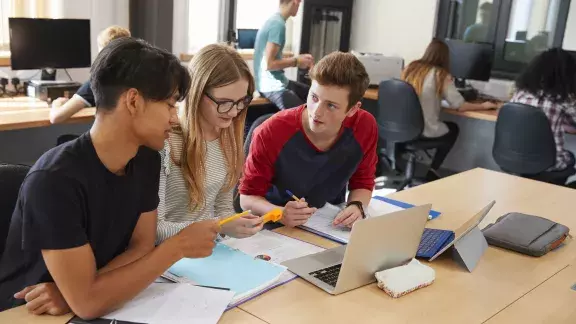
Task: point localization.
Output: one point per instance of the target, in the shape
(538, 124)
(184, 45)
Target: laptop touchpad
(329, 257)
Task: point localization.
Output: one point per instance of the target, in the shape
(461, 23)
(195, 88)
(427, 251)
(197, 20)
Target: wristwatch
(359, 205)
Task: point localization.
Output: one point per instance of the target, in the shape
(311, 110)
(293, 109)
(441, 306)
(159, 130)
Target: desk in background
(246, 54)
(26, 112)
(489, 115)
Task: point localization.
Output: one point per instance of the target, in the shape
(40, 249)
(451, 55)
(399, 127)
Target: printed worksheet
(163, 303)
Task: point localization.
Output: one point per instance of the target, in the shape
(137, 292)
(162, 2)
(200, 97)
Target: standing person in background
(64, 108)
(269, 65)
(203, 157)
(430, 77)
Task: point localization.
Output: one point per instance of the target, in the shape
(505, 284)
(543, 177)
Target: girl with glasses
(203, 157)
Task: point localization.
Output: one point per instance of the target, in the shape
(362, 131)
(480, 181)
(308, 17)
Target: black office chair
(400, 125)
(11, 177)
(247, 143)
(524, 144)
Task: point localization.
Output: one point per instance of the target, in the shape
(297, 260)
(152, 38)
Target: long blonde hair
(213, 66)
(437, 56)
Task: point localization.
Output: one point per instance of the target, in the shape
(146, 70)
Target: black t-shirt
(86, 94)
(69, 199)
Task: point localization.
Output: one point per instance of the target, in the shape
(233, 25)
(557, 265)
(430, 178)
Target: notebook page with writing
(163, 303)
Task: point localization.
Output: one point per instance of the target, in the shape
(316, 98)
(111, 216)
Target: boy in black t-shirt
(82, 234)
(64, 108)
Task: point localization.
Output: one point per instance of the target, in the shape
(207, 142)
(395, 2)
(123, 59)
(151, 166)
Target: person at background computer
(478, 33)
(269, 64)
(549, 83)
(430, 77)
(64, 108)
(316, 151)
(203, 157)
(82, 233)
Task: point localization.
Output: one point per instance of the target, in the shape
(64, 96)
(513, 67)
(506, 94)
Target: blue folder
(401, 204)
(228, 268)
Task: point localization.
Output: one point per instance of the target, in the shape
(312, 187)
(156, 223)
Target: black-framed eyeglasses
(224, 106)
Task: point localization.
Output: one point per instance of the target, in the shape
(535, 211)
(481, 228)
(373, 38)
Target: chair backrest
(247, 142)
(253, 127)
(523, 143)
(11, 177)
(400, 118)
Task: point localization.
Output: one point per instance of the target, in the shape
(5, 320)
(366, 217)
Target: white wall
(393, 27)
(570, 34)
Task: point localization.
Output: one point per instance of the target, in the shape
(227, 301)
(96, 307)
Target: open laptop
(376, 244)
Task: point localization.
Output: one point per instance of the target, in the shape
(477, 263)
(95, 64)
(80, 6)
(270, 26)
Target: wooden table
(26, 112)
(504, 287)
(489, 115)
(552, 302)
(501, 278)
(20, 315)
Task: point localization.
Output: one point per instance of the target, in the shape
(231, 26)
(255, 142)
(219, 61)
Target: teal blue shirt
(274, 31)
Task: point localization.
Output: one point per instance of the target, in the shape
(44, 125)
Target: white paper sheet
(163, 303)
(278, 247)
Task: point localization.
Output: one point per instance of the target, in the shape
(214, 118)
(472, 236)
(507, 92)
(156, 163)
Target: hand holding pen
(297, 211)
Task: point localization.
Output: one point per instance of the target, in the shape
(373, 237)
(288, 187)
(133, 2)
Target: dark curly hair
(550, 75)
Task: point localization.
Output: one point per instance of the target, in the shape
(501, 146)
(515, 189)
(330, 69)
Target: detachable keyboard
(433, 240)
(328, 275)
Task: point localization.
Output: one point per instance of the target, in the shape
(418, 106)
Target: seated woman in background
(64, 108)
(549, 83)
(203, 156)
(430, 77)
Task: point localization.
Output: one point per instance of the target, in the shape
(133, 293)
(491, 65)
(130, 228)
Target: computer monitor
(247, 38)
(471, 61)
(49, 43)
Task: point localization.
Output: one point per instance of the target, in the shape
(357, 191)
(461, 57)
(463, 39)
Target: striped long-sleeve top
(174, 212)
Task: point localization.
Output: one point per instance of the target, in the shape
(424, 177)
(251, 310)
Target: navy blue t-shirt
(85, 93)
(69, 199)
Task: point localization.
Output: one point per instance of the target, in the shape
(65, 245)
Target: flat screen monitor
(472, 61)
(247, 38)
(49, 43)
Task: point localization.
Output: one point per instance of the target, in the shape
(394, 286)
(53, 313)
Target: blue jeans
(293, 96)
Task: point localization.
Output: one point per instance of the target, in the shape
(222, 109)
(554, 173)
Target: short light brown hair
(111, 33)
(342, 70)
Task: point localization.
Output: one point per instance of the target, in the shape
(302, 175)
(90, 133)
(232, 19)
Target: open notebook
(321, 223)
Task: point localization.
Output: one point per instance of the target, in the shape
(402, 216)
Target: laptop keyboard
(432, 241)
(328, 275)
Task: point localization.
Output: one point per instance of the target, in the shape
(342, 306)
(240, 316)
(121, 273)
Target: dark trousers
(446, 142)
(294, 95)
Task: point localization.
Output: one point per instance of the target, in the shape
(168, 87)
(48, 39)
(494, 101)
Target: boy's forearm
(116, 286)
(132, 254)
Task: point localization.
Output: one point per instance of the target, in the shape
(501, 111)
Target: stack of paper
(231, 269)
(174, 303)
